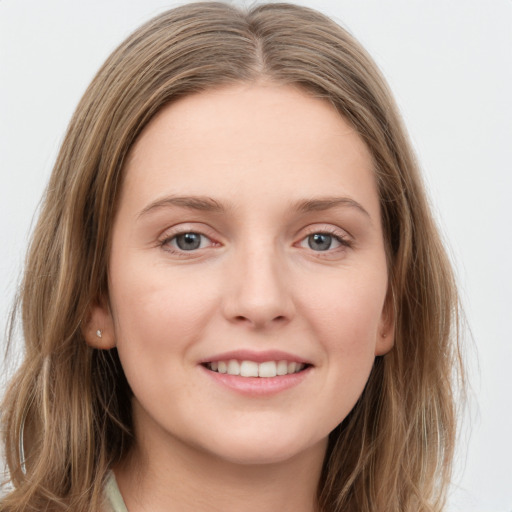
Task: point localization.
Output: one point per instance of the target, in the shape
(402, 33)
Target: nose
(259, 290)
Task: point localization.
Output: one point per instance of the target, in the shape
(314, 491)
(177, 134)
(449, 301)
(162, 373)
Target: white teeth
(267, 369)
(233, 367)
(252, 369)
(282, 368)
(292, 367)
(249, 369)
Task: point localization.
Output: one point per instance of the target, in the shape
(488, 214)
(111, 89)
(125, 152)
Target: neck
(182, 478)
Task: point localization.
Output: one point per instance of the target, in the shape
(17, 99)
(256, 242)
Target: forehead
(240, 139)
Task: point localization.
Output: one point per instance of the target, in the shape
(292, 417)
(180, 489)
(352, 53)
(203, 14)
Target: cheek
(346, 310)
(157, 312)
(157, 318)
(346, 324)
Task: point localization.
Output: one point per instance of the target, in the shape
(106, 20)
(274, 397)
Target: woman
(235, 293)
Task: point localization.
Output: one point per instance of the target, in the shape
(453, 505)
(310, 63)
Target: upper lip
(256, 356)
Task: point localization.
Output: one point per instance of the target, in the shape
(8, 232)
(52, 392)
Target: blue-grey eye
(188, 241)
(320, 241)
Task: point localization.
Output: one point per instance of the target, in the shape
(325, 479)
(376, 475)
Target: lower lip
(258, 386)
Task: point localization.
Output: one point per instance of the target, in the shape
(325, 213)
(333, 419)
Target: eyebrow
(322, 204)
(208, 204)
(201, 203)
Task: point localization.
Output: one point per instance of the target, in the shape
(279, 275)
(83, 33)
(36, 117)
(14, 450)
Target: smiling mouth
(265, 369)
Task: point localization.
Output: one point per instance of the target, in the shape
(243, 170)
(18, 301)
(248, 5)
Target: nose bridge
(261, 287)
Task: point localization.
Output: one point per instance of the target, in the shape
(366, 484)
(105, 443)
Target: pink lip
(257, 357)
(257, 386)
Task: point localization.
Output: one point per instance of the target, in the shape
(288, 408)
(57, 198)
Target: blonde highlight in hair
(71, 403)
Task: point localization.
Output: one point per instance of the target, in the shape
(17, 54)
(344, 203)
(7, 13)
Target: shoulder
(113, 500)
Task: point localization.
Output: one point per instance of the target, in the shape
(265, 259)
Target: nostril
(260, 322)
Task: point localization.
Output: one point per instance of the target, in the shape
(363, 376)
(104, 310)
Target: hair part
(71, 403)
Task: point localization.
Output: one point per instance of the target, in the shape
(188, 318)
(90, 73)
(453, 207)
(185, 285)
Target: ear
(98, 328)
(386, 333)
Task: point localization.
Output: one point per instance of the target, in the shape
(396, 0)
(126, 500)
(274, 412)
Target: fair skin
(249, 230)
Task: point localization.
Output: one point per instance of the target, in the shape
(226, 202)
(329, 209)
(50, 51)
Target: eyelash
(342, 239)
(166, 241)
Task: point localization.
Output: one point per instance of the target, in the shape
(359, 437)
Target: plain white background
(450, 67)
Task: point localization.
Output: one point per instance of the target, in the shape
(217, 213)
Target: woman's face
(247, 240)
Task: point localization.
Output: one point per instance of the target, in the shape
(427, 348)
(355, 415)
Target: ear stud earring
(99, 333)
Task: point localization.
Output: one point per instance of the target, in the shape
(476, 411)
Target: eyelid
(328, 229)
(342, 236)
(181, 229)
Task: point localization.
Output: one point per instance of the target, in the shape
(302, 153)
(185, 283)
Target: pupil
(319, 241)
(188, 241)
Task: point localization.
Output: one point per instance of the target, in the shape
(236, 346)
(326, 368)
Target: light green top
(113, 500)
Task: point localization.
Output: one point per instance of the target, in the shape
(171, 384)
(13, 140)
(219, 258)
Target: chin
(265, 450)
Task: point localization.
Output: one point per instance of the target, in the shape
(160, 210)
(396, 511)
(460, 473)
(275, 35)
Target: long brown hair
(70, 403)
